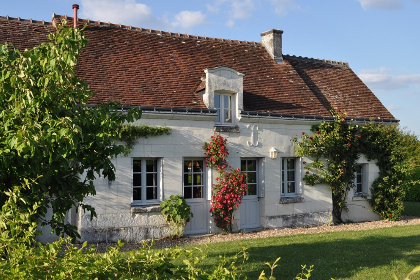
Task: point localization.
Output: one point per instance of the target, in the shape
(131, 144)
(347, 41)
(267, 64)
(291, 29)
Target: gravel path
(211, 238)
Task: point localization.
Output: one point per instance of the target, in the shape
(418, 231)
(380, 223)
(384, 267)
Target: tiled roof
(143, 67)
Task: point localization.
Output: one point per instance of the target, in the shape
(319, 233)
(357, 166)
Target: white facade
(119, 218)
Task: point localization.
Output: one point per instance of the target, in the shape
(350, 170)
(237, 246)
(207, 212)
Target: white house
(248, 92)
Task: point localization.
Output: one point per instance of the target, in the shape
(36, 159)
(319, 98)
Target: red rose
(303, 133)
(304, 162)
(349, 144)
(333, 188)
(311, 137)
(360, 136)
(307, 172)
(390, 215)
(318, 132)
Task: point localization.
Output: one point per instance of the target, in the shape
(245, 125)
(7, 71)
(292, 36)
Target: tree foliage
(49, 134)
(336, 146)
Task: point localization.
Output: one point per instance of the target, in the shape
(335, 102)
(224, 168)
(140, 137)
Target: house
(248, 92)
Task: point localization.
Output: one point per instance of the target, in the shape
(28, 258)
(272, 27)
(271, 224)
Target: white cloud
(126, 12)
(189, 19)
(234, 9)
(381, 79)
(381, 4)
(282, 7)
(242, 9)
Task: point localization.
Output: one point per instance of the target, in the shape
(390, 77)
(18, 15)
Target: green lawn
(411, 208)
(371, 254)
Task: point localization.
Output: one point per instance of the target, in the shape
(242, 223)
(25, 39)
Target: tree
(335, 147)
(49, 134)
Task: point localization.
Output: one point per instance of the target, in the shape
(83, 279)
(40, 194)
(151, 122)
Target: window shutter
(261, 179)
(298, 174)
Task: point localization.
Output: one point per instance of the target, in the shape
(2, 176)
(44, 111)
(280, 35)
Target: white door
(194, 191)
(250, 206)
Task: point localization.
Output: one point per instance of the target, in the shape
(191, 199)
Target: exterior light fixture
(273, 153)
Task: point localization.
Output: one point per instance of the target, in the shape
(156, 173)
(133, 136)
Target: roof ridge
(333, 62)
(150, 31)
(30, 21)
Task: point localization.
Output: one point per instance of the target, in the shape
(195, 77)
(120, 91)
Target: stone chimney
(271, 40)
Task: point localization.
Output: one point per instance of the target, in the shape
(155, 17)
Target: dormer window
(223, 103)
(224, 92)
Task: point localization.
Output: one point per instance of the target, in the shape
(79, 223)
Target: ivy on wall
(337, 145)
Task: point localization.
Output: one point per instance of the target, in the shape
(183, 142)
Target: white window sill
(145, 208)
(361, 197)
(291, 199)
(226, 128)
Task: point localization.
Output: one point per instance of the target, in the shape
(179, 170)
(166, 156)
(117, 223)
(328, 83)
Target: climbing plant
(231, 185)
(50, 135)
(336, 146)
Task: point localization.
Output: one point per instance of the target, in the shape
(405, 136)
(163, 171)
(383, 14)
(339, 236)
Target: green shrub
(177, 214)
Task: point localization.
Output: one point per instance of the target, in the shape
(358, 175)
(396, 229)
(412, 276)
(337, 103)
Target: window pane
(187, 166)
(197, 192)
(252, 177)
(290, 176)
(218, 116)
(217, 101)
(187, 179)
(291, 187)
(151, 165)
(151, 193)
(151, 179)
(187, 192)
(136, 165)
(359, 188)
(137, 194)
(197, 179)
(227, 115)
(243, 165)
(252, 165)
(290, 164)
(226, 101)
(252, 189)
(136, 179)
(198, 166)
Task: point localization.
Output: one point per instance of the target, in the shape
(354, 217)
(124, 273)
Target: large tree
(48, 133)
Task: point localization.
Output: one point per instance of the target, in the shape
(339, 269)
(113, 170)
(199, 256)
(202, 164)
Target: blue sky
(380, 39)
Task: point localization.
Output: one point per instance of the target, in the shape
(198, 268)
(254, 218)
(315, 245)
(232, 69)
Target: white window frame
(143, 181)
(192, 172)
(257, 175)
(362, 180)
(284, 177)
(220, 120)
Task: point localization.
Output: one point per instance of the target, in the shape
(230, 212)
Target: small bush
(177, 214)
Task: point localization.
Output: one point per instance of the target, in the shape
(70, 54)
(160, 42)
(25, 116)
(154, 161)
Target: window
(288, 175)
(224, 106)
(193, 179)
(360, 186)
(145, 180)
(249, 166)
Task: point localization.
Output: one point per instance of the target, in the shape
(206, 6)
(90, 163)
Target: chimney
(75, 19)
(271, 40)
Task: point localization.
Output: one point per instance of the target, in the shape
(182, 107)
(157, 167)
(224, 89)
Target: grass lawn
(370, 254)
(411, 208)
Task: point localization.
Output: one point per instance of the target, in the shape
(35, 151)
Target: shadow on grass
(331, 257)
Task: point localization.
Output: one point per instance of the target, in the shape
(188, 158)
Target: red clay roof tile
(144, 67)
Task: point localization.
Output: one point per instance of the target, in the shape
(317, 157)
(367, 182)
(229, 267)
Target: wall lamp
(273, 153)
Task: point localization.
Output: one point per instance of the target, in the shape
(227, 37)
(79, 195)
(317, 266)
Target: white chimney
(272, 42)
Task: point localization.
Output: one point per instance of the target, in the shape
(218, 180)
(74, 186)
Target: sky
(380, 39)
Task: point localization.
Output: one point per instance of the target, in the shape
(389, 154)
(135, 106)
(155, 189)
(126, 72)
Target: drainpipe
(75, 19)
